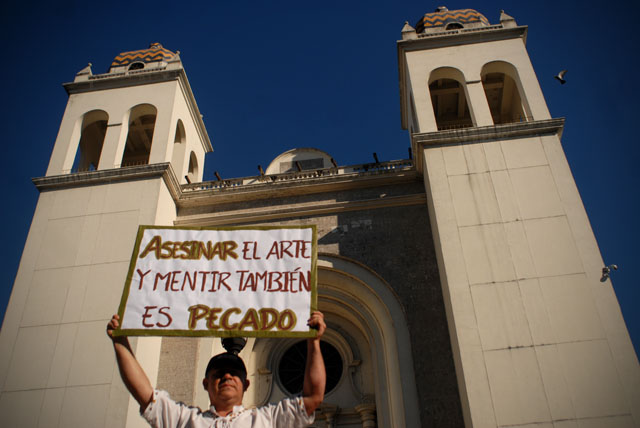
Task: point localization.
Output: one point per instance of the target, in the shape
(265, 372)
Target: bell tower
(127, 141)
(537, 337)
(141, 112)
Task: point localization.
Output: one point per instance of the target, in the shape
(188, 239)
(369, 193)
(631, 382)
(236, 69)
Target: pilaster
(478, 103)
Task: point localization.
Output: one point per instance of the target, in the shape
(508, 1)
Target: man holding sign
(235, 281)
(225, 381)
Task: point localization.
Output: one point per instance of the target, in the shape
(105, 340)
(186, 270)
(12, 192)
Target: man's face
(225, 385)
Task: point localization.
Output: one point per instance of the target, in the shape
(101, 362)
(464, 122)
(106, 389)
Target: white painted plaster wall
(539, 339)
(56, 363)
(193, 141)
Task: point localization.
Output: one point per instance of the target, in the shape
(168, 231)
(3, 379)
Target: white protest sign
(253, 281)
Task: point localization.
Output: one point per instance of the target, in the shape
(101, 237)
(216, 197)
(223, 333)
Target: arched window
(454, 26)
(138, 65)
(291, 367)
(499, 80)
(94, 129)
(179, 147)
(142, 120)
(449, 99)
(193, 171)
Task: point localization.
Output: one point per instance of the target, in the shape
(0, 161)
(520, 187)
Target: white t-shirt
(163, 412)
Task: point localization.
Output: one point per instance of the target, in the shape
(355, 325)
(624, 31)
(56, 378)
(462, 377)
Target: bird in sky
(606, 272)
(560, 76)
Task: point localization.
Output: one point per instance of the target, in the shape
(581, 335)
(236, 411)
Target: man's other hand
(113, 325)
(316, 321)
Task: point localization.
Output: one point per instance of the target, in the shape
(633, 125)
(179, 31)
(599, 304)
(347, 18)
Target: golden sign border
(218, 333)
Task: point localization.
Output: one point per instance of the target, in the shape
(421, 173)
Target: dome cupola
(137, 60)
(443, 19)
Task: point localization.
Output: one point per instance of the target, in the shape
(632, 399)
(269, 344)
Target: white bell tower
(141, 112)
(128, 139)
(538, 339)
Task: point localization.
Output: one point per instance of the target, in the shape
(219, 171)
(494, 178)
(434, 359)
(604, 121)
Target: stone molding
(491, 132)
(459, 37)
(106, 176)
(306, 186)
(261, 191)
(122, 80)
(269, 213)
(477, 134)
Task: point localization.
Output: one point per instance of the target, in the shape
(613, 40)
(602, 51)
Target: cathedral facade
(461, 286)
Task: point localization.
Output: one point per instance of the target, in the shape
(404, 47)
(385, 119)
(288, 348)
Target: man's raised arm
(315, 376)
(132, 374)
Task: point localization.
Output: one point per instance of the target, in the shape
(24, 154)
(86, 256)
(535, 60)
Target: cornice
(483, 133)
(121, 80)
(92, 178)
(185, 198)
(255, 215)
(461, 37)
(480, 133)
(269, 189)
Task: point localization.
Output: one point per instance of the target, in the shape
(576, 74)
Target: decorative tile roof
(442, 17)
(154, 53)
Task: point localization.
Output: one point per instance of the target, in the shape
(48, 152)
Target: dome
(444, 17)
(155, 52)
(301, 158)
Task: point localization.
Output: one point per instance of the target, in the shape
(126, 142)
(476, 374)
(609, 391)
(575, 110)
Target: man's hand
(113, 325)
(316, 322)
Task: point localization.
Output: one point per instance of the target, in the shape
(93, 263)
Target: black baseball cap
(226, 360)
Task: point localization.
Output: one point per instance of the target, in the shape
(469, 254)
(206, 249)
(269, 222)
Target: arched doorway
(368, 333)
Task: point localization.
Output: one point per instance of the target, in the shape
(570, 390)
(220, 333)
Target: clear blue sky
(272, 75)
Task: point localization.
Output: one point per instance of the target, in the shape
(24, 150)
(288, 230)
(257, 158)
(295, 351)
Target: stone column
(367, 415)
(478, 104)
(114, 141)
(329, 413)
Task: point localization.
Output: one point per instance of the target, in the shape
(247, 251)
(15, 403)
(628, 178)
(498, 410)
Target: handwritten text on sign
(223, 282)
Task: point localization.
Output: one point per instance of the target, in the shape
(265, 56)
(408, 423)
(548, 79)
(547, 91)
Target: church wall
(396, 243)
(398, 246)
